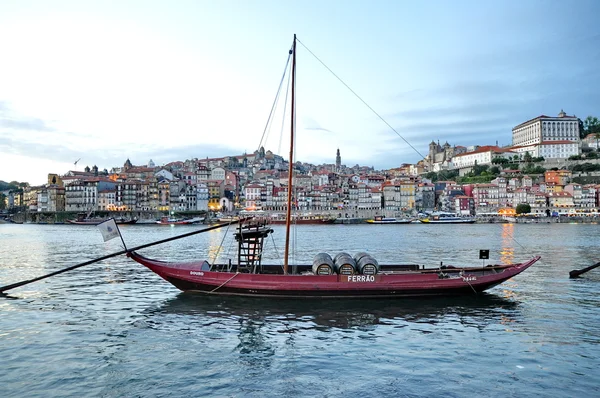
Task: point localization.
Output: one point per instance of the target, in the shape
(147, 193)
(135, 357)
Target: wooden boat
(344, 276)
(228, 219)
(446, 218)
(83, 219)
(179, 221)
(389, 220)
(9, 220)
(270, 280)
(303, 219)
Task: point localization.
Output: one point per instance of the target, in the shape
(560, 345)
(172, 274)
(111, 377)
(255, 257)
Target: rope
(516, 241)
(223, 284)
(382, 119)
(285, 102)
(275, 101)
(220, 245)
(462, 275)
(469, 283)
(362, 100)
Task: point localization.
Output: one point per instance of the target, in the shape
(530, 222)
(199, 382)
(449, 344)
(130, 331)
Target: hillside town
(551, 166)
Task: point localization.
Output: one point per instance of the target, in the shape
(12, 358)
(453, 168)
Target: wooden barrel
(322, 264)
(344, 264)
(366, 264)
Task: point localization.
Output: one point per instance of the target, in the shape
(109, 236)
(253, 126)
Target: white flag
(109, 229)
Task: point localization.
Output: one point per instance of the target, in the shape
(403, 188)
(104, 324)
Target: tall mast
(288, 218)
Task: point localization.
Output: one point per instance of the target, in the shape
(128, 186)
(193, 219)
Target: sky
(86, 83)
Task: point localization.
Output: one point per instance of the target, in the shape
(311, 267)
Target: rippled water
(115, 329)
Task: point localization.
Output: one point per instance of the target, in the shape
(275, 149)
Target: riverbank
(148, 217)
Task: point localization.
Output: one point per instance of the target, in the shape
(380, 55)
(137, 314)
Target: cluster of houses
(260, 181)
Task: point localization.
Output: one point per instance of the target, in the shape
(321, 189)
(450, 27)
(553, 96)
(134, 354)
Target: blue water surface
(114, 329)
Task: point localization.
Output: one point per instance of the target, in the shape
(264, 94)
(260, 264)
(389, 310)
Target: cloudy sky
(106, 81)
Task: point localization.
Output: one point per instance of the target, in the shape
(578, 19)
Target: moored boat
(302, 219)
(446, 218)
(358, 276)
(343, 276)
(389, 220)
(228, 218)
(82, 219)
(179, 221)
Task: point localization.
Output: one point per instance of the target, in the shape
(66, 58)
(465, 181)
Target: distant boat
(179, 221)
(228, 218)
(389, 220)
(8, 220)
(83, 219)
(303, 219)
(447, 218)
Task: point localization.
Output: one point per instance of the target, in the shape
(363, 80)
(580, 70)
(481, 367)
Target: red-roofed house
(482, 155)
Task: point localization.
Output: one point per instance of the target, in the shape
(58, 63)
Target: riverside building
(549, 137)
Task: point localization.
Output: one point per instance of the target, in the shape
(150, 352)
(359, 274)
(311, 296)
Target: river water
(114, 329)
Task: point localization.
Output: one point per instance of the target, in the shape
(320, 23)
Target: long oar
(14, 285)
(576, 272)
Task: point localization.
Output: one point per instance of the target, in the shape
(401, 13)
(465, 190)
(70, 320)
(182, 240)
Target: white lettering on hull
(359, 278)
(196, 273)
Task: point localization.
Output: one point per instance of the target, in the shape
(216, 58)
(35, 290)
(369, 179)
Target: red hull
(195, 276)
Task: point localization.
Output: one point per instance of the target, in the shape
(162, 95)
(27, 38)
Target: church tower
(338, 161)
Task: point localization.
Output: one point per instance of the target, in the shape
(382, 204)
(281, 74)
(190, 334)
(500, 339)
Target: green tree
(577, 167)
(523, 208)
(591, 125)
(479, 169)
(2, 201)
(495, 170)
(432, 175)
(501, 161)
(447, 175)
(527, 157)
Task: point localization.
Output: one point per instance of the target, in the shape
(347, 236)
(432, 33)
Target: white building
(253, 196)
(218, 173)
(107, 199)
(550, 137)
(202, 196)
(482, 155)
(591, 141)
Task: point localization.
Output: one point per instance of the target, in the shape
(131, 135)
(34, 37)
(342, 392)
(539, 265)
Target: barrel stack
(345, 264)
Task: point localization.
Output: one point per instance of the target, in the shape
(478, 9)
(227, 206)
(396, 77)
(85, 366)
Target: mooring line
(516, 241)
(223, 284)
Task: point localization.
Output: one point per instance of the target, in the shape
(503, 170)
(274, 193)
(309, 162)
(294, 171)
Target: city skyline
(103, 83)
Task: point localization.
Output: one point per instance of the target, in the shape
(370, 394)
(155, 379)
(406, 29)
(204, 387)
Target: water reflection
(217, 245)
(507, 253)
(344, 314)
